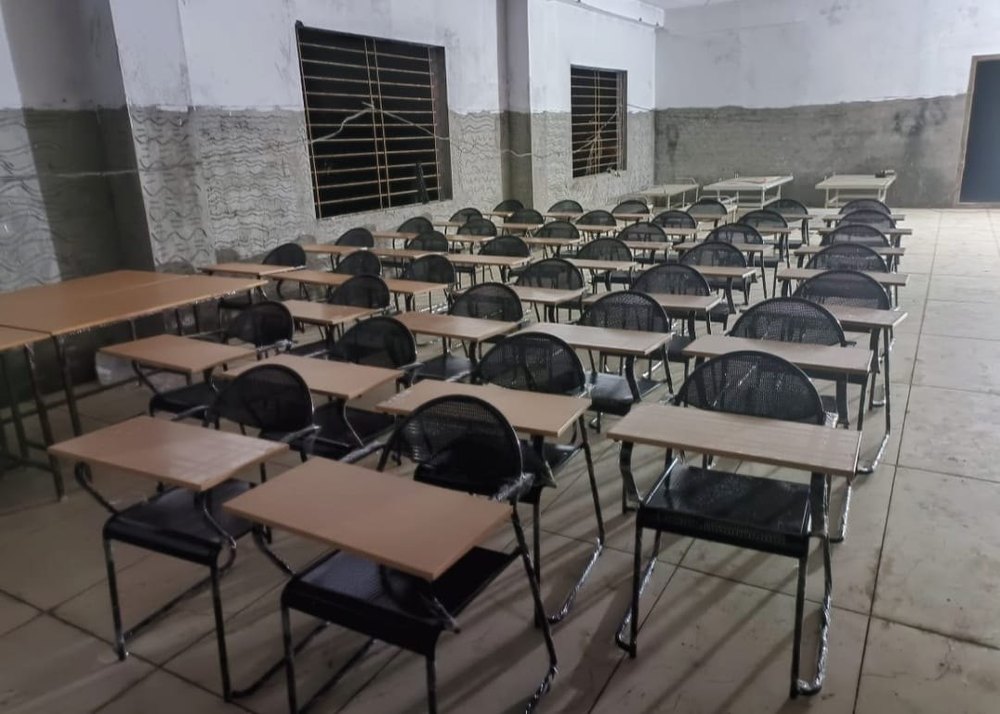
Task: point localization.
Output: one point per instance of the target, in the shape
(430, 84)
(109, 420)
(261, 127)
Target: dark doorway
(981, 174)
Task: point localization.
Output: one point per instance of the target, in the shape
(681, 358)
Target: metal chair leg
(640, 579)
(431, 685)
(220, 635)
(800, 599)
(820, 517)
(116, 613)
(286, 638)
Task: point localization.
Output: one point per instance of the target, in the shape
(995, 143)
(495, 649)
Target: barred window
(377, 121)
(598, 110)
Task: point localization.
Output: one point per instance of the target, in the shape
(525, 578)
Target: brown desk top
(330, 248)
(57, 295)
(178, 354)
(865, 318)
(767, 441)
(255, 270)
(637, 343)
(562, 215)
(725, 271)
(459, 328)
(884, 279)
(405, 253)
(679, 231)
(775, 230)
(710, 216)
(12, 337)
(507, 226)
(745, 247)
(546, 241)
(588, 264)
(322, 313)
(632, 216)
(504, 261)
(837, 217)
(546, 296)
(328, 279)
(419, 529)
(392, 235)
(887, 231)
(342, 380)
(644, 246)
(594, 228)
(108, 308)
(671, 302)
(413, 287)
(445, 223)
(532, 413)
(175, 453)
(880, 249)
(824, 358)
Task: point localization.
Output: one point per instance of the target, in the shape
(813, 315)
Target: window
(597, 106)
(377, 121)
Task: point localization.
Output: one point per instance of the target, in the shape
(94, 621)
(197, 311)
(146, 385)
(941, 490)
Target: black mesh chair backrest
(626, 310)
(510, 204)
(856, 233)
(263, 325)
(268, 397)
(789, 319)
(764, 219)
(463, 443)
(567, 205)
(845, 287)
(674, 219)
(871, 218)
(290, 254)
(533, 362)
(558, 229)
(755, 384)
(478, 226)
(464, 214)
(709, 207)
(865, 204)
(362, 291)
(525, 215)
(357, 237)
(672, 279)
(429, 240)
(847, 256)
(417, 224)
(735, 233)
(508, 245)
(713, 252)
(551, 273)
(376, 342)
(605, 249)
(597, 217)
(642, 231)
(630, 206)
(431, 269)
(787, 207)
(489, 301)
(360, 262)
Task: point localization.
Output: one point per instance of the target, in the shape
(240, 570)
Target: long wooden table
(830, 360)
(175, 353)
(453, 327)
(252, 270)
(340, 380)
(410, 289)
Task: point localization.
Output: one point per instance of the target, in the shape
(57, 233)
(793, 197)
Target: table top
(866, 318)
(679, 231)
(700, 215)
(669, 189)
(887, 231)
(563, 215)
(726, 271)
(328, 279)
(256, 270)
(671, 302)
(546, 296)
(57, 295)
(534, 413)
(342, 380)
(545, 241)
(645, 246)
(460, 328)
(322, 313)
(175, 453)
(810, 447)
(392, 235)
(745, 247)
(507, 226)
(629, 343)
(822, 358)
(504, 261)
(632, 216)
(63, 316)
(392, 520)
(748, 183)
(884, 279)
(591, 264)
(837, 217)
(12, 337)
(446, 223)
(330, 248)
(883, 250)
(856, 181)
(179, 354)
(597, 228)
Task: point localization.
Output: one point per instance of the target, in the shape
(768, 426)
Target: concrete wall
(813, 87)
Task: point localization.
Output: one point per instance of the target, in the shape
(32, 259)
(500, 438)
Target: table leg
(43, 421)
(15, 410)
(74, 415)
(887, 403)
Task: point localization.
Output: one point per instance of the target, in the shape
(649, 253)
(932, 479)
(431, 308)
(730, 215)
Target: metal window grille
(377, 121)
(597, 105)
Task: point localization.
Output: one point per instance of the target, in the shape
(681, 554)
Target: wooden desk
(341, 380)
(12, 338)
(416, 528)
(178, 354)
(549, 242)
(634, 217)
(888, 280)
(175, 453)
(472, 329)
(549, 297)
(534, 413)
(884, 251)
(331, 249)
(603, 265)
(837, 217)
(866, 318)
(894, 234)
(648, 246)
(520, 227)
(809, 447)
(595, 228)
(833, 360)
(730, 272)
(332, 280)
(563, 215)
(57, 295)
(392, 236)
(627, 343)
(325, 314)
(254, 270)
(672, 303)
(478, 260)
(758, 248)
(680, 231)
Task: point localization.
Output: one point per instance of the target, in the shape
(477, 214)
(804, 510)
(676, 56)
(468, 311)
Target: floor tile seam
(939, 633)
(978, 479)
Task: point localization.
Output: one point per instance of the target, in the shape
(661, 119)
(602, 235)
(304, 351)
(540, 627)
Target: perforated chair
(464, 214)
(417, 224)
(560, 230)
(710, 209)
(429, 241)
(847, 256)
(268, 326)
(722, 254)
(626, 310)
(459, 443)
(566, 206)
(357, 237)
(736, 233)
(432, 269)
(630, 206)
(598, 217)
(792, 211)
(361, 291)
(287, 254)
(768, 515)
(505, 245)
(489, 301)
(478, 226)
(607, 249)
(360, 262)
(647, 233)
(865, 204)
(877, 219)
(856, 233)
(673, 218)
(553, 273)
(510, 204)
(677, 279)
(525, 215)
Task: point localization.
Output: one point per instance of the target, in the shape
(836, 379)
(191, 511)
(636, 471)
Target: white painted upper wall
(564, 33)
(10, 93)
(775, 53)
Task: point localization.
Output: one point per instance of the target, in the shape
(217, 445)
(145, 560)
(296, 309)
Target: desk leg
(43, 421)
(61, 356)
(887, 403)
(15, 409)
(820, 517)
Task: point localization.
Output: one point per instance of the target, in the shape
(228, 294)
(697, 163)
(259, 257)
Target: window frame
(618, 161)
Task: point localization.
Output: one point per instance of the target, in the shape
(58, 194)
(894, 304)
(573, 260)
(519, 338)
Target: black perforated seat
(182, 399)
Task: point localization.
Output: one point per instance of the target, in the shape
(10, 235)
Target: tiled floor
(915, 625)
